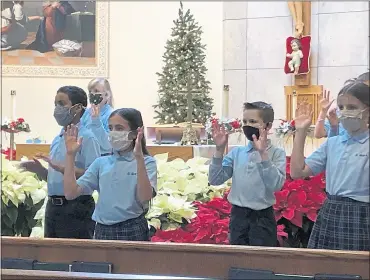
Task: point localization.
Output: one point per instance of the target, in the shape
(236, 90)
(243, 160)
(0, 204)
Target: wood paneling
(187, 259)
(184, 152)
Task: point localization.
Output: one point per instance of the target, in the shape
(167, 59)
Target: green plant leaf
(12, 213)
(6, 222)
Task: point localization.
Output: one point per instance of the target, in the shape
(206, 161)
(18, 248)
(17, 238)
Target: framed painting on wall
(54, 38)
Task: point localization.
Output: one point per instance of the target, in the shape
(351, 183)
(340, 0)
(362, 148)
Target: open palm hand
(303, 118)
(325, 101)
(73, 143)
(219, 135)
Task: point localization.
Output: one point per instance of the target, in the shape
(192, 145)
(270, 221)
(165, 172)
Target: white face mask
(119, 140)
(351, 120)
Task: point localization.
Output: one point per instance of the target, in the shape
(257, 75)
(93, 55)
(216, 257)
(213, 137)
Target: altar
(174, 151)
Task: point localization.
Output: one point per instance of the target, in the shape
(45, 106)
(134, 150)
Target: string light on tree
(184, 57)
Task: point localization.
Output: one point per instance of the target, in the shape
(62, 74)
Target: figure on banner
(296, 55)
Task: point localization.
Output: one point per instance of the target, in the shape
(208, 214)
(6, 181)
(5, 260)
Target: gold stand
(189, 136)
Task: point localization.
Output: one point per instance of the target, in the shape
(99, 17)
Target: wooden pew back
(187, 259)
(15, 274)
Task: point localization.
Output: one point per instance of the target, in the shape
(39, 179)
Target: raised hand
(325, 101)
(219, 135)
(33, 166)
(73, 143)
(332, 116)
(260, 144)
(46, 158)
(95, 111)
(138, 149)
(303, 118)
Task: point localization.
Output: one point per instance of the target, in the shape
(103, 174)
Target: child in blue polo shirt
(257, 171)
(343, 222)
(126, 181)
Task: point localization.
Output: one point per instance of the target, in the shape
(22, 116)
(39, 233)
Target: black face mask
(95, 98)
(249, 131)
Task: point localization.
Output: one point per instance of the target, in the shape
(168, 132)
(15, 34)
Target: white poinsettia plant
(179, 184)
(22, 195)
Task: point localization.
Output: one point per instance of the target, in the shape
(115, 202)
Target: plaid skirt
(342, 224)
(131, 230)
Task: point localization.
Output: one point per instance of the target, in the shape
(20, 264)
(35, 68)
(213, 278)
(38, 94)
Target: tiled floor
(30, 57)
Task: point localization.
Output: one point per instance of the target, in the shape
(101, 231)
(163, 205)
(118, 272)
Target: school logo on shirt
(131, 173)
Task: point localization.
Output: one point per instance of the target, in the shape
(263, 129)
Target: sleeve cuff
(266, 164)
(217, 161)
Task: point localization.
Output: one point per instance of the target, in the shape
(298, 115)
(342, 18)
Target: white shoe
(5, 48)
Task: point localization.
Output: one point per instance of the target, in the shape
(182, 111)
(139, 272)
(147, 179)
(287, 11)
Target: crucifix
(302, 91)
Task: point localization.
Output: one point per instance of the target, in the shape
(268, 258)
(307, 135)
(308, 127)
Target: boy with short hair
(257, 171)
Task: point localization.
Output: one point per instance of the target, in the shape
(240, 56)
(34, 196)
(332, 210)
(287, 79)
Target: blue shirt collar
(250, 146)
(361, 138)
(127, 156)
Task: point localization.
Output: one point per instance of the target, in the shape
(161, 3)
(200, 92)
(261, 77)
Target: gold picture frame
(100, 69)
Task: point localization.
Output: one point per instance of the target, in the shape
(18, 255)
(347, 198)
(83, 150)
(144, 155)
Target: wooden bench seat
(209, 261)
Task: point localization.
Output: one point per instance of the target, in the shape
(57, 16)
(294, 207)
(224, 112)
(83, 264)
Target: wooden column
(305, 79)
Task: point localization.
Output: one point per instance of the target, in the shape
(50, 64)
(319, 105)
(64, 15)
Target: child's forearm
(71, 189)
(297, 164)
(320, 127)
(144, 187)
(219, 174)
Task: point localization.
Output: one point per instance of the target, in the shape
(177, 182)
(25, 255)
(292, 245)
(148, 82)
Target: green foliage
(184, 57)
(19, 220)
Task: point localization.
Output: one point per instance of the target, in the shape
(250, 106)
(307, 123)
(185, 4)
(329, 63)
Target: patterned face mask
(120, 140)
(63, 115)
(351, 120)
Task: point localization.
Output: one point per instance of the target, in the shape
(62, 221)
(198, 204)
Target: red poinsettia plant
(15, 126)
(7, 152)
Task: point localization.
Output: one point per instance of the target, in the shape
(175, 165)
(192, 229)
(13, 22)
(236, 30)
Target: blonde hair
(105, 83)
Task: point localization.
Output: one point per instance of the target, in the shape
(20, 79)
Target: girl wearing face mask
(343, 222)
(96, 116)
(126, 181)
(67, 219)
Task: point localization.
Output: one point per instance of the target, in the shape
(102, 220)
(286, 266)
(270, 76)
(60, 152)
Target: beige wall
(138, 32)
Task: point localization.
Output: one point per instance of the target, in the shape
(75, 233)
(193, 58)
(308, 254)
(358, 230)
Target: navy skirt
(342, 224)
(131, 230)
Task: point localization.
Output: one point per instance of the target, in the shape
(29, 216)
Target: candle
(12, 104)
(225, 102)
(294, 104)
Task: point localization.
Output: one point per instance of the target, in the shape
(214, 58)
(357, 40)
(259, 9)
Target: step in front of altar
(193, 260)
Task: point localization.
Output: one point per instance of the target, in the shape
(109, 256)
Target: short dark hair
(76, 94)
(363, 78)
(266, 110)
(135, 120)
(358, 90)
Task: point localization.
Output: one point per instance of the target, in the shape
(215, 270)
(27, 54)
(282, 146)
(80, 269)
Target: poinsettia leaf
(297, 219)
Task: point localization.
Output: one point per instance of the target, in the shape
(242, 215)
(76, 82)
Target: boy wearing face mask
(67, 219)
(343, 222)
(257, 171)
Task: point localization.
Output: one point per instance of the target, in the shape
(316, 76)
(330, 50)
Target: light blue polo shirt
(254, 181)
(330, 132)
(115, 178)
(346, 161)
(84, 158)
(99, 127)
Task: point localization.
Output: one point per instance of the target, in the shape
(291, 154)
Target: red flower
(20, 120)
(292, 123)
(235, 124)
(7, 154)
(281, 234)
(12, 124)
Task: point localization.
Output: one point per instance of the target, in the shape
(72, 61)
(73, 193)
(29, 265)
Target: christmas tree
(183, 59)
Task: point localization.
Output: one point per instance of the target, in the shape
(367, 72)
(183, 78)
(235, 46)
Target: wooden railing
(187, 259)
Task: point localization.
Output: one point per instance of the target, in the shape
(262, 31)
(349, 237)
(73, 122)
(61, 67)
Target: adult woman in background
(96, 117)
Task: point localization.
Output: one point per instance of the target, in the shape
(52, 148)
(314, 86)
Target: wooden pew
(15, 274)
(187, 259)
